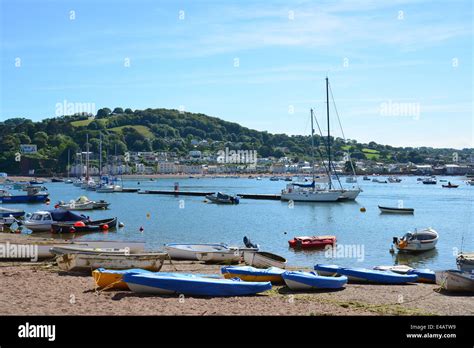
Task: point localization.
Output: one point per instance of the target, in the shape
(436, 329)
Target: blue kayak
(326, 270)
(172, 274)
(252, 274)
(425, 275)
(157, 283)
(311, 280)
(375, 276)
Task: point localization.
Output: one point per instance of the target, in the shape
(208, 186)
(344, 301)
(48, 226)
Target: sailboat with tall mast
(309, 192)
(312, 192)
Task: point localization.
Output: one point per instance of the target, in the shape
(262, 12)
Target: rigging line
(326, 169)
(342, 131)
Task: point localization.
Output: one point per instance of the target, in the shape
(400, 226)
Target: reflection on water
(416, 260)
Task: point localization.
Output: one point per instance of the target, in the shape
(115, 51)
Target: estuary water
(366, 237)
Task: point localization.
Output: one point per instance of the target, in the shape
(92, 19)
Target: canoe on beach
(112, 279)
(299, 280)
(364, 275)
(194, 286)
(252, 274)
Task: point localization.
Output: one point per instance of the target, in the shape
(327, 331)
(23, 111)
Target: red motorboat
(312, 242)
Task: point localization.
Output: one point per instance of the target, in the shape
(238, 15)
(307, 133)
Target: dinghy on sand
(195, 286)
(263, 259)
(455, 281)
(312, 281)
(369, 275)
(112, 279)
(252, 274)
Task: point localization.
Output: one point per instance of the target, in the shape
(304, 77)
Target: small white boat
(425, 239)
(465, 262)
(178, 251)
(67, 249)
(88, 262)
(263, 259)
(394, 179)
(456, 281)
(105, 189)
(41, 221)
(227, 257)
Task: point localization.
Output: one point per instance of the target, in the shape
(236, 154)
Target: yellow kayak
(252, 274)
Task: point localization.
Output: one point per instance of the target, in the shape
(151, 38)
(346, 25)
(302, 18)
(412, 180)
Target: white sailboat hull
(311, 196)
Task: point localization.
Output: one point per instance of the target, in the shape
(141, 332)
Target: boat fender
(402, 244)
(104, 227)
(121, 224)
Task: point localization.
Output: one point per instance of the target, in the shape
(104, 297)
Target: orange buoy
(104, 227)
(79, 224)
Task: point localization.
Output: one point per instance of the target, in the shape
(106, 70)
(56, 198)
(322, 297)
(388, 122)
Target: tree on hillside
(103, 113)
(118, 111)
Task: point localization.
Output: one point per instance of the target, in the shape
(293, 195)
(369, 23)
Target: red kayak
(312, 242)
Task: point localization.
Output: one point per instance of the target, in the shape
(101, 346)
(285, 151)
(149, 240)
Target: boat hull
(232, 256)
(86, 262)
(311, 196)
(252, 274)
(390, 210)
(261, 259)
(189, 251)
(40, 198)
(456, 281)
(311, 281)
(193, 286)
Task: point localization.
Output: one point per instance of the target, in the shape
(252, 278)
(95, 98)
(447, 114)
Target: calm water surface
(271, 224)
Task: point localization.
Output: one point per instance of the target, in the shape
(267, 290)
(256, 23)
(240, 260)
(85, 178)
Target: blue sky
(259, 63)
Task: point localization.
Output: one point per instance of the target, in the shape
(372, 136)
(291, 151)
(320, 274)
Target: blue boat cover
(375, 276)
(424, 274)
(315, 280)
(305, 185)
(197, 286)
(65, 215)
(248, 270)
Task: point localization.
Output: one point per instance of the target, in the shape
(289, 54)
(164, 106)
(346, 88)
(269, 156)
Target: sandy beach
(42, 289)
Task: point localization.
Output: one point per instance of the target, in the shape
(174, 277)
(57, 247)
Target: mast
(87, 157)
(100, 156)
(329, 131)
(68, 160)
(312, 144)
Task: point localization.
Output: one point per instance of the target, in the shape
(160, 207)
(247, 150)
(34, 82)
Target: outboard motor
(248, 243)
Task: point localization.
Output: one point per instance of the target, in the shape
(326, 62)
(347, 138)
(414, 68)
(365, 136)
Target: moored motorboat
(42, 220)
(263, 259)
(455, 281)
(193, 286)
(312, 281)
(430, 181)
(84, 226)
(312, 242)
(34, 195)
(5, 212)
(222, 198)
(393, 210)
(88, 262)
(425, 239)
(252, 274)
(449, 185)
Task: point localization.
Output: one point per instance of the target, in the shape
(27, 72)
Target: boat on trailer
(393, 210)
